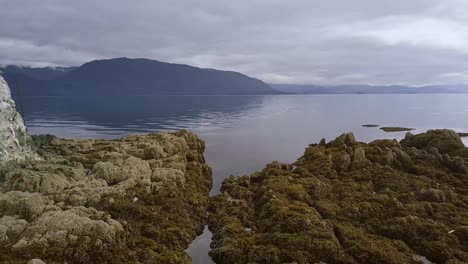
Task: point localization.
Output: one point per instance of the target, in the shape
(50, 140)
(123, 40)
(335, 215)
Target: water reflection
(115, 116)
(244, 133)
(200, 248)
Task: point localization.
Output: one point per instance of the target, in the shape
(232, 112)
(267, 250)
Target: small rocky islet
(143, 199)
(396, 129)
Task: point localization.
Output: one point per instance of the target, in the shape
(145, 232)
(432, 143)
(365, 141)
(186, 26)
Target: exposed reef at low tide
(350, 202)
(139, 199)
(396, 129)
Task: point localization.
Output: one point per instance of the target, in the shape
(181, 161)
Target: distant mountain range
(369, 89)
(123, 76)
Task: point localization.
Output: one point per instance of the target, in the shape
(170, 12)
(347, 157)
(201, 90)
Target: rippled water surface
(244, 133)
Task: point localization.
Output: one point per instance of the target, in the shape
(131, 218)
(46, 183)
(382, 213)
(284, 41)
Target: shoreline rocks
(139, 199)
(350, 202)
(143, 199)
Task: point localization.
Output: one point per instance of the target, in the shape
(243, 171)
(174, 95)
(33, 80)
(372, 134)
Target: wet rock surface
(139, 199)
(350, 202)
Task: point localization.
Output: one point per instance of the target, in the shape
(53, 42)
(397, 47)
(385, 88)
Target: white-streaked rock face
(14, 140)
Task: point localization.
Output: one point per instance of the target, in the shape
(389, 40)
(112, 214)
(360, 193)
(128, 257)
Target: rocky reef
(139, 199)
(350, 202)
(136, 199)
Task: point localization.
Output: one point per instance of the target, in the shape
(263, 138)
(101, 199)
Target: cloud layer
(298, 41)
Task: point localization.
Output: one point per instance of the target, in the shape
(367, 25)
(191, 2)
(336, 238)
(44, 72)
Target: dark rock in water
(382, 202)
(463, 134)
(396, 129)
(139, 199)
(370, 125)
(442, 139)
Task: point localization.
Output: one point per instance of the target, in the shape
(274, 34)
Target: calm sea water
(244, 133)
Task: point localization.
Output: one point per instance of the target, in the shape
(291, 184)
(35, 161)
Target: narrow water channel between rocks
(200, 248)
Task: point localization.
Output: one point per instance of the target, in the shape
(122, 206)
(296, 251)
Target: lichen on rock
(105, 201)
(350, 202)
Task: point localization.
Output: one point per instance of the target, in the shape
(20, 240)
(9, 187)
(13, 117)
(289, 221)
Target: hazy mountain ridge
(44, 73)
(369, 89)
(123, 76)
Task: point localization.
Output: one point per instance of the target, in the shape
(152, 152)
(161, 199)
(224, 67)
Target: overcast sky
(412, 42)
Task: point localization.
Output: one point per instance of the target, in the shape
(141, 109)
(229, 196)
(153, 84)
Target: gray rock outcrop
(14, 141)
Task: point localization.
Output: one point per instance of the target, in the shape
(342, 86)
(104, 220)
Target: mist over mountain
(123, 76)
(369, 89)
(45, 73)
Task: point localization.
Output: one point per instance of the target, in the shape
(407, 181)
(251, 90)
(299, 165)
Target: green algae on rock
(350, 202)
(139, 199)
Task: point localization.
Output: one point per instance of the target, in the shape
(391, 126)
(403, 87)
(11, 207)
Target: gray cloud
(298, 41)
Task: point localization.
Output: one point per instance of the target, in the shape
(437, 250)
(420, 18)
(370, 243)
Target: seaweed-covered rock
(139, 199)
(349, 202)
(25, 205)
(444, 140)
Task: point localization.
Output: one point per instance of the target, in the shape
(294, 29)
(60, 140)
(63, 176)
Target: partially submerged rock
(139, 199)
(396, 129)
(370, 125)
(350, 202)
